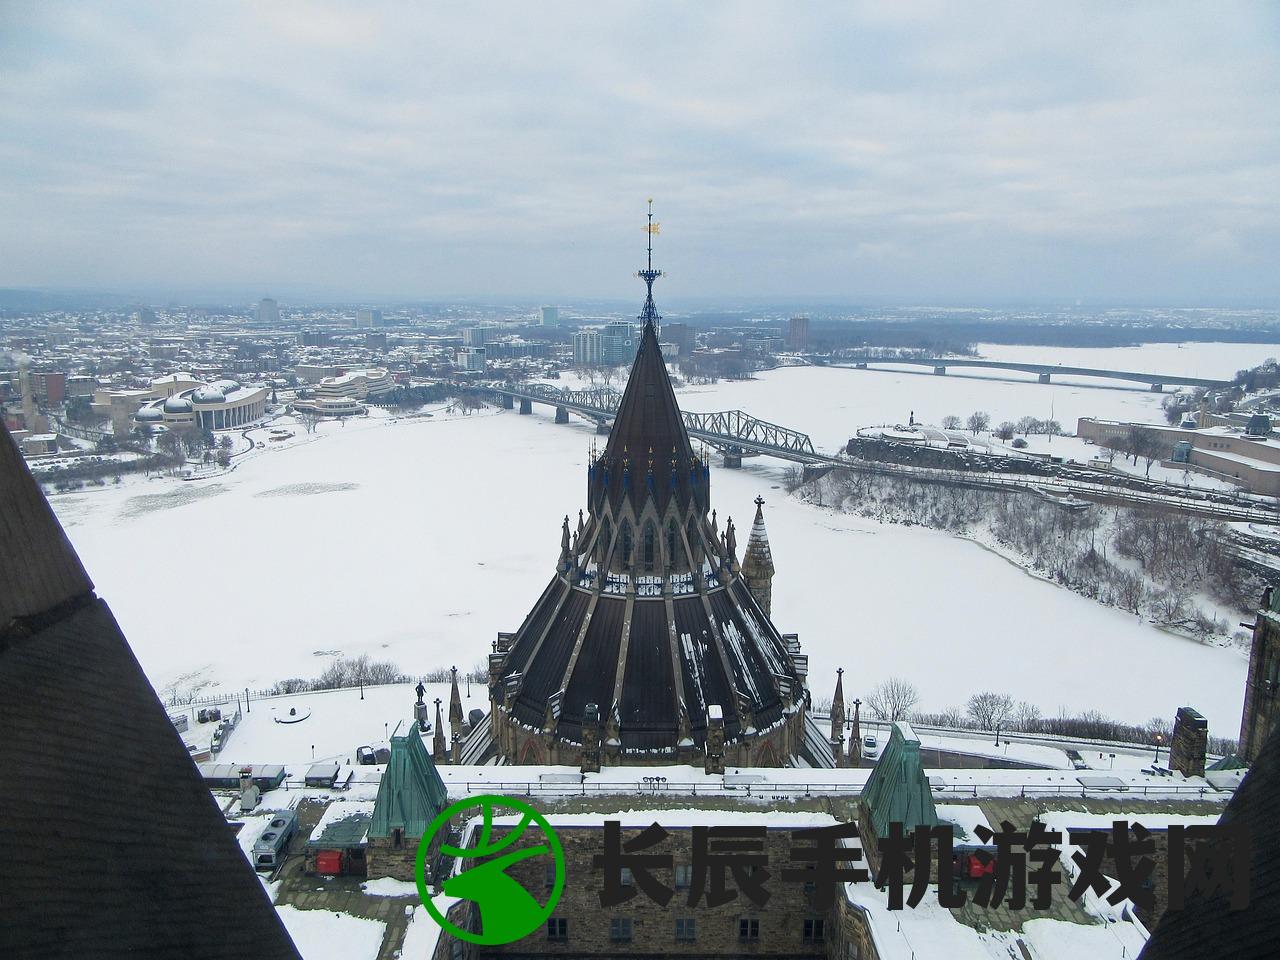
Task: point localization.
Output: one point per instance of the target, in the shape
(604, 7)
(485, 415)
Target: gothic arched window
(626, 543)
(671, 541)
(650, 535)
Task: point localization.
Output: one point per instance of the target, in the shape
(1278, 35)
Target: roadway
(1044, 370)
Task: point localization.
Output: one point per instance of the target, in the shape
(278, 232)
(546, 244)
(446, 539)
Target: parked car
(870, 747)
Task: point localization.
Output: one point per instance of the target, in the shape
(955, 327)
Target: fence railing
(784, 790)
(793, 791)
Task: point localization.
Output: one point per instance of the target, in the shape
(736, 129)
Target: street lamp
(362, 686)
(1159, 740)
(998, 722)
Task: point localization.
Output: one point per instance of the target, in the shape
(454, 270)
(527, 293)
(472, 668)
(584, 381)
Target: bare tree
(308, 419)
(1006, 430)
(951, 422)
(1025, 717)
(978, 420)
(1026, 425)
(1160, 727)
(989, 710)
(893, 699)
(1143, 442)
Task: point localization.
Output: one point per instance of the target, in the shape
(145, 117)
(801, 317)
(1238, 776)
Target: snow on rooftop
(325, 935)
(337, 812)
(423, 932)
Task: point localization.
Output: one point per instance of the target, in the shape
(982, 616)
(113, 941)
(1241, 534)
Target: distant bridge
(734, 433)
(737, 434)
(1044, 370)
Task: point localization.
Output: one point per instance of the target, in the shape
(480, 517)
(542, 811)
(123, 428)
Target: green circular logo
(508, 911)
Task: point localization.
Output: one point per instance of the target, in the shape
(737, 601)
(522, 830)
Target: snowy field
(418, 540)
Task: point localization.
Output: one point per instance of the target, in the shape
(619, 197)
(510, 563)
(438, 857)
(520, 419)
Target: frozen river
(418, 541)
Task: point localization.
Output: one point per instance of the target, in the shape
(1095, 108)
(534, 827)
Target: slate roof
(898, 790)
(614, 628)
(1207, 926)
(411, 793)
(113, 845)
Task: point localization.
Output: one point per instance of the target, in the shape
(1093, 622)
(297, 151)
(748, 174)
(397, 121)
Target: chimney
(1189, 744)
(591, 738)
(715, 739)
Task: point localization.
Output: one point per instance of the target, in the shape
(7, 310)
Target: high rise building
(681, 334)
(472, 358)
(368, 318)
(479, 335)
(618, 343)
(798, 333)
(551, 316)
(587, 350)
(268, 311)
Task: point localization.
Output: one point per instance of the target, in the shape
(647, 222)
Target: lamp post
(1159, 740)
(362, 685)
(998, 722)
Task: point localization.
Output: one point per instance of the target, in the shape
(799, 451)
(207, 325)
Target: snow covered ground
(418, 540)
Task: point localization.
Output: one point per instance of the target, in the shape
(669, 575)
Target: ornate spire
(650, 312)
(757, 562)
(837, 719)
(455, 703)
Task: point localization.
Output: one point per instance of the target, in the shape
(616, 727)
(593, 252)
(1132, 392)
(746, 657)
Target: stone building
(410, 796)
(1262, 688)
(791, 923)
(648, 645)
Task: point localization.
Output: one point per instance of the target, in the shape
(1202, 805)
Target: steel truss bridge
(732, 432)
(737, 434)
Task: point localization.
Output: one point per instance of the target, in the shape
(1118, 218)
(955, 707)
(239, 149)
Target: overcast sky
(926, 153)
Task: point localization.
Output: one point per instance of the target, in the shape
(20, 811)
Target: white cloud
(976, 152)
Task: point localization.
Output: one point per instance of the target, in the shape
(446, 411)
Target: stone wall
(1261, 698)
(716, 929)
(527, 747)
(387, 859)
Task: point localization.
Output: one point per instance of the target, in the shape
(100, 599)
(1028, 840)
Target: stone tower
(757, 565)
(1262, 688)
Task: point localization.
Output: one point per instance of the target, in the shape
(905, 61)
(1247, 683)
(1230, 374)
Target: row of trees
(345, 672)
(354, 671)
(895, 699)
(980, 420)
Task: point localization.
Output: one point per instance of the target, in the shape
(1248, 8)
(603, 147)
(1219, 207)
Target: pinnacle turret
(757, 563)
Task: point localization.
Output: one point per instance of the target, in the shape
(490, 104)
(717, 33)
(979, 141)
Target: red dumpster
(329, 862)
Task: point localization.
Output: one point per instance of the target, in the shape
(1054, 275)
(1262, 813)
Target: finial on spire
(650, 312)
